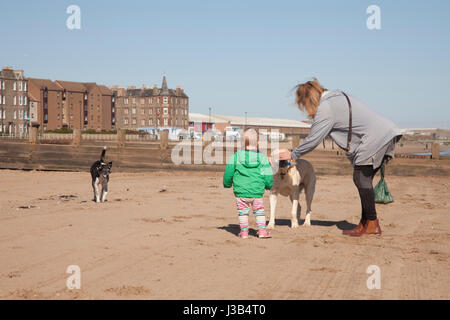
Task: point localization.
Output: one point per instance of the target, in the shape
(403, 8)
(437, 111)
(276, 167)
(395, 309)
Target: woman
(371, 140)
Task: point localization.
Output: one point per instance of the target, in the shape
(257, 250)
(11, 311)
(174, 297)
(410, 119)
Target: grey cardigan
(370, 131)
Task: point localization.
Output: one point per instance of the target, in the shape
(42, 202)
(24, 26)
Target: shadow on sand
(342, 225)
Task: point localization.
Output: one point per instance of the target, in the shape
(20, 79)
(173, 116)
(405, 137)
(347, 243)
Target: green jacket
(249, 172)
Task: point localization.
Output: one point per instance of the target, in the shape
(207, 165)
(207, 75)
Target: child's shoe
(243, 234)
(263, 233)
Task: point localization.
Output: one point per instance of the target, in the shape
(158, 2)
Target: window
(125, 111)
(133, 111)
(15, 86)
(71, 116)
(15, 114)
(143, 122)
(20, 100)
(20, 85)
(165, 100)
(165, 110)
(25, 100)
(165, 121)
(150, 121)
(57, 94)
(134, 121)
(25, 86)
(1, 99)
(71, 106)
(134, 100)
(125, 121)
(151, 100)
(14, 100)
(57, 117)
(125, 101)
(3, 85)
(20, 114)
(158, 122)
(4, 100)
(150, 111)
(142, 111)
(142, 101)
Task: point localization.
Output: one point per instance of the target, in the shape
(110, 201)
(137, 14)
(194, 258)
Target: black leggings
(363, 178)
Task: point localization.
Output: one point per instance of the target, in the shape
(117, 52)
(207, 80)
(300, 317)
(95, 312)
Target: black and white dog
(100, 176)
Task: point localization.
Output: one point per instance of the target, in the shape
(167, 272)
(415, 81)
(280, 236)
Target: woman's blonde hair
(308, 96)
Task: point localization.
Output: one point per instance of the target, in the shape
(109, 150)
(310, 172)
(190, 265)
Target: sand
(182, 243)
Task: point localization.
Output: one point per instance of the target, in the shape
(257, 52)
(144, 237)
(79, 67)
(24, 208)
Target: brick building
(46, 99)
(68, 104)
(13, 102)
(151, 108)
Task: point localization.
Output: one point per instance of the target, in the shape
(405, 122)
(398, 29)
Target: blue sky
(244, 56)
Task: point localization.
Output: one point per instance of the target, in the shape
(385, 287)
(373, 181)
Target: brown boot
(356, 229)
(370, 227)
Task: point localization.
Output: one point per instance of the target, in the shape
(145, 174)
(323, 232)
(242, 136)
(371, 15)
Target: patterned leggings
(257, 205)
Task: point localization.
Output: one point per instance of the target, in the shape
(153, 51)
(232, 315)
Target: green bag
(382, 194)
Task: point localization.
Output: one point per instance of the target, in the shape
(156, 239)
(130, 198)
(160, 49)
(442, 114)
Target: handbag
(382, 194)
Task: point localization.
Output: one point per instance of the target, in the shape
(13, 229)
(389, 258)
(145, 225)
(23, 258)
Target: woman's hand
(282, 154)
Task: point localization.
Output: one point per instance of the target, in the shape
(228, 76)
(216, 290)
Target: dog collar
(285, 164)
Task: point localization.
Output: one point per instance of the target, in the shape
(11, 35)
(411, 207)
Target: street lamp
(245, 126)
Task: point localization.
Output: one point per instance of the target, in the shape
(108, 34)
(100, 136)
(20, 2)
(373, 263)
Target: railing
(139, 137)
(99, 136)
(55, 136)
(13, 136)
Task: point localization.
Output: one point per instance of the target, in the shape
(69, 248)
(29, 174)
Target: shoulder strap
(349, 137)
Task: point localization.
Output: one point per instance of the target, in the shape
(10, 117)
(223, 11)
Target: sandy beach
(182, 243)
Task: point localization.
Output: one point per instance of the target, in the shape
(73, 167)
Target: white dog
(289, 180)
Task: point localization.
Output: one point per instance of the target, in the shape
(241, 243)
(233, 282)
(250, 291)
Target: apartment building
(46, 104)
(151, 108)
(14, 112)
(69, 104)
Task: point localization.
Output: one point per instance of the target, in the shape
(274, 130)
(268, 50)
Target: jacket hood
(248, 158)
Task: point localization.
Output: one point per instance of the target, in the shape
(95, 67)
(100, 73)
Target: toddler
(250, 173)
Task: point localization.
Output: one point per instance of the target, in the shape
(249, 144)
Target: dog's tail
(102, 157)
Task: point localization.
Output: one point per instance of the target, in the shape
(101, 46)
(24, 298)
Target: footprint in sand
(129, 291)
